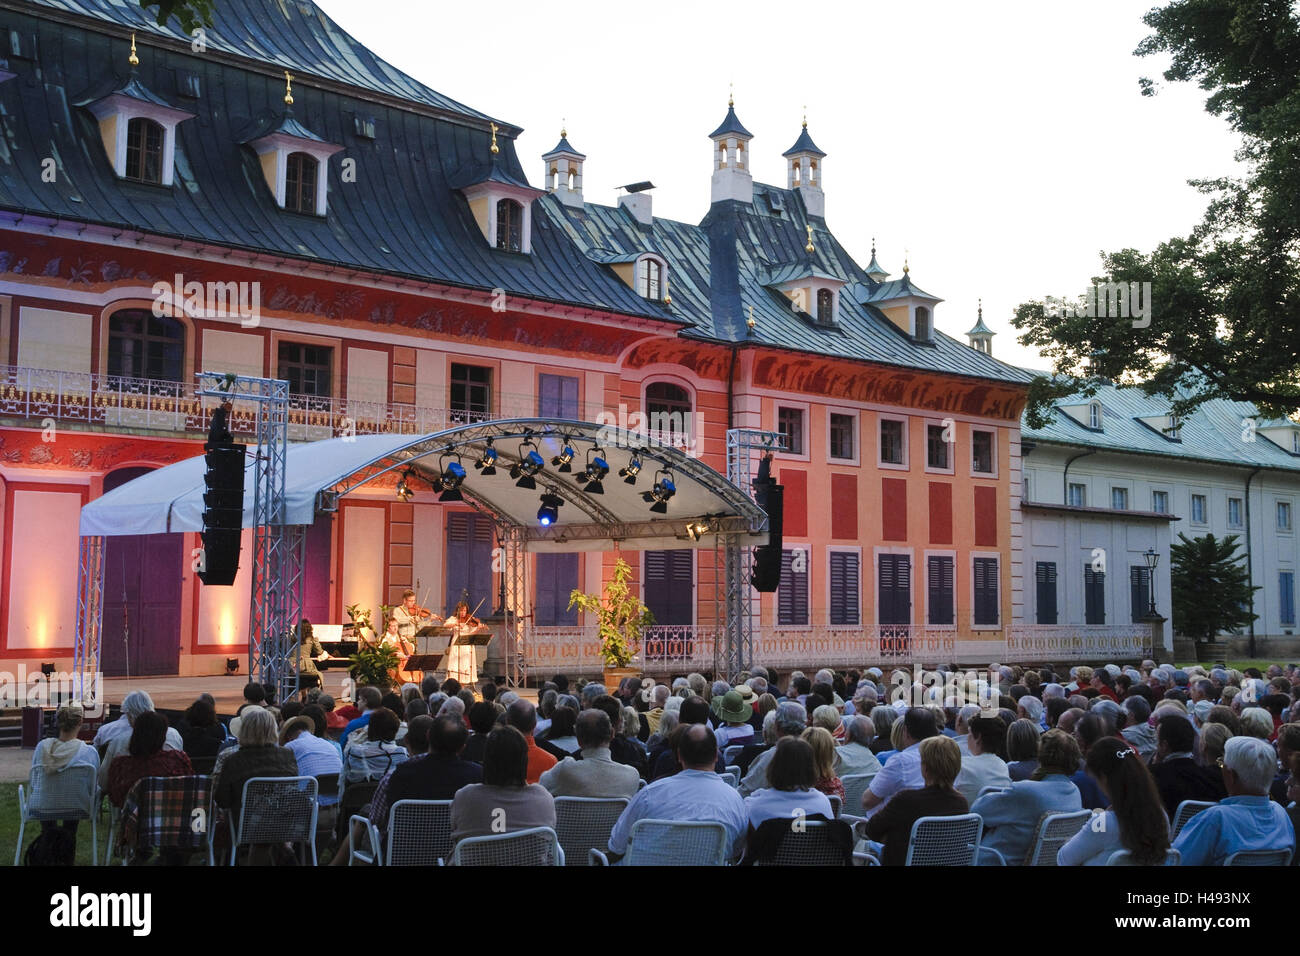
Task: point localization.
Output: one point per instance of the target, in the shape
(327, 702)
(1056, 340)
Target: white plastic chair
(855, 785)
(1054, 831)
(1184, 812)
(1259, 858)
(537, 846)
(70, 794)
(945, 841)
(276, 810)
(419, 834)
(1125, 858)
(672, 843)
(584, 823)
(731, 752)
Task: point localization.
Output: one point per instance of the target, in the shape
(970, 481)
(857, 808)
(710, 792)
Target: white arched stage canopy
(625, 505)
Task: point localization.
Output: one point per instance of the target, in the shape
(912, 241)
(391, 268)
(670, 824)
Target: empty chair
(275, 810)
(945, 841)
(67, 795)
(1054, 831)
(419, 833)
(1186, 810)
(538, 846)
(672, 843)
(584, 823)
(855, 785)
(1259, 858)
(813, 843)
(1125, 858)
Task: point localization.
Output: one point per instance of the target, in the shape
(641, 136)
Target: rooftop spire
(133, 59)
(495, 148)
(288, 88)
(810, 247)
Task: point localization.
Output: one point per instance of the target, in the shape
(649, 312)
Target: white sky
(1002, 145)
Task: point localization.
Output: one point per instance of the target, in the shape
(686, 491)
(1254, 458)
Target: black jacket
(1182, 778)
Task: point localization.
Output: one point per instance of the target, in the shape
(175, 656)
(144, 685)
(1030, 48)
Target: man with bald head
(696, 793)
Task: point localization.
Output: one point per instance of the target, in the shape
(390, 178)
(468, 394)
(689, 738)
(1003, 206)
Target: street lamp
(1153, 558)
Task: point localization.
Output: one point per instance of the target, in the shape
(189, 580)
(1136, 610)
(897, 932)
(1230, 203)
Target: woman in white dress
(462, 659)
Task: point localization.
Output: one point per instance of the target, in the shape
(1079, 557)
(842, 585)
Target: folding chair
(731, 779)
(945, 841)
(1054, 831)
(836, 804)
(538, 846)
(70, 794)
(419, 833)
(169, 813)
(672, 843)
(584, 823)
(730, 753)
(1259, 858)
(1184, 812)
(814, 843)
(276, 810)
(1125, 858)
(855, 785)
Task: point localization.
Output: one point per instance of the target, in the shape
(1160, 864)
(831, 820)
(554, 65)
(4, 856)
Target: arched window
(144, 147)
(510, 225)
(300, 183)
(668, 412)
(649, 279)
(825, 306)
(144, 345)
(1094, 416)
(924, 324)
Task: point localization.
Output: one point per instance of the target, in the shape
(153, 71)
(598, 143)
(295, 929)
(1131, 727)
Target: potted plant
(621, 616)
(374, 664)
(360, 619)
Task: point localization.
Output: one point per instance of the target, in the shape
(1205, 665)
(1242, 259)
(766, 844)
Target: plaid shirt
(162, 815)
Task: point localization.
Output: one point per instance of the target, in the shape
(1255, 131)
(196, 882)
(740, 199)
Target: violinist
(462, 659)
(410, 617)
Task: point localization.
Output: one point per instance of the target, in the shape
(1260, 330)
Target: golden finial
(133, 59)
(495, 148)
(810, 247)
(751, 321)
(668, 296)
(288, 88)
(805, 116)
(731, 94)
(905, 267)
(564, 128)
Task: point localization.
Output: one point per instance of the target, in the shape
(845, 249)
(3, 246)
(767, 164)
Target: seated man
(594, 774)
(1246, 819)
(436, 776)
(1177, 775)
(696, 793)
(855, 753)
(903, 769)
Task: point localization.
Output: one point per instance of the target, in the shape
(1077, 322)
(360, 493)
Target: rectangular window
(981, 446)
(557, 397)
(894, 585)
(891, 442)
(843, 430)
(1045, 580)
(306, 368)
(1119, 499)
(1078, 496)
(1284, 516)
(1160, 502)
(986, 592)
(792, 595)
(669, 588)
(1286, 596)
(940, 585)
(1139, 581)
(1094, 595)
(1198, 509)
(471, 393)
(1234, 512)
(936, 447)
(789, 422)
(845, 588)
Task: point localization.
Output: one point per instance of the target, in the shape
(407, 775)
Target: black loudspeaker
(766, 576)
(223, 512)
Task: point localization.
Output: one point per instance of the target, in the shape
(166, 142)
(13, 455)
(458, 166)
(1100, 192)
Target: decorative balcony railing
(668, 649)
(114, 401)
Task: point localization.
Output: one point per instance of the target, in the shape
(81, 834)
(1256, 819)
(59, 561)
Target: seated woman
(145, 757)
(892, 824)
(824, 756)
(259, 755)
(1011, 817)
(1022, 749)
(202, 735)
(1136, 819)
(791, 790)
(373, 757)
(504, 801)
(54, 755)
(563, 733)
(985, 764)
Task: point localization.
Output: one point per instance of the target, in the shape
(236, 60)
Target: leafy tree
(191, 14)
(1209, 587)
(1226, 298)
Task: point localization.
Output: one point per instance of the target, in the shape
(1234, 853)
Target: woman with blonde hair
(825, 758)
(1210, 744)
(766, 703)
(828, 716)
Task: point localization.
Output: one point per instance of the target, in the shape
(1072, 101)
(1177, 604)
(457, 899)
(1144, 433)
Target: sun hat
(733, 709)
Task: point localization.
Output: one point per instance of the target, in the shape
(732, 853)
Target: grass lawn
(1260, 663)
(9, 829)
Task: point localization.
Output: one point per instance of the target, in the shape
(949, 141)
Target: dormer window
(1094, 416)
(649, 279)
(144, 151)
(300, 183)
(1173, 428)
(1295, 443)
(924, 324)
(510, 225)
(825, 307)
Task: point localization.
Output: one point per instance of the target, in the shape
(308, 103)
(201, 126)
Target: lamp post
(1152, 558)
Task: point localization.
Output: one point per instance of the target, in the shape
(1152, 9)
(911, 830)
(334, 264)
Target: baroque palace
(285, 203)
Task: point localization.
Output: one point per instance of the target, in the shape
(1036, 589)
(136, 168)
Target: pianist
(309, 652)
